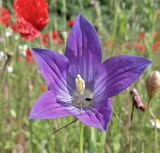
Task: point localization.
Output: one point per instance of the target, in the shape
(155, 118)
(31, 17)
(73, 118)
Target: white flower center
(80, 84)
(82, 96)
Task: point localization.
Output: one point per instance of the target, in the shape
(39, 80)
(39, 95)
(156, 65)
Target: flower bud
(153, 83)
(137, 102)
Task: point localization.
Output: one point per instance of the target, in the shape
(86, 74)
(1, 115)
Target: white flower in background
(8, 32)
(2, 54)
(157, 123)
(16, 37)
(64, 35)
(22, 49)
(9, 69)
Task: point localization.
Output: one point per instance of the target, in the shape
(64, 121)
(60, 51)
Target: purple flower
(79, 84)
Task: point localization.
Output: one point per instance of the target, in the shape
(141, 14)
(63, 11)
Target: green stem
(115, 25)
(155, 127)
(102, 142)
(92, 145)
(30, 129)
(81, 138)
(64, 14)
(81, 5)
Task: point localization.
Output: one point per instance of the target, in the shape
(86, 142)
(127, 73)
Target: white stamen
(80, 84)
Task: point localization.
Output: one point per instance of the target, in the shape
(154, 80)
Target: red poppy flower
(139, 46)
(29, 57)
(5, 16)
(156, 45)
(141, 36)
(110, 43)
(56, 38)
(136, 45)
(43, 88)
(70, 22)
(14, 27)
(45, 39)
(155, 34)
(31, 17)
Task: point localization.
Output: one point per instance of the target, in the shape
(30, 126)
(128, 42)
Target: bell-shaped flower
(79, 84)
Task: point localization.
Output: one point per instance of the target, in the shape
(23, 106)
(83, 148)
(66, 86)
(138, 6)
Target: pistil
(80, 84)
(81, 97)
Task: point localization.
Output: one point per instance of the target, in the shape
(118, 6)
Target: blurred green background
(124, 27)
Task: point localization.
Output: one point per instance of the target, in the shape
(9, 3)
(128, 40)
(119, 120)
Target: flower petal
(27, 30)
(53, 67)
(47, 107)
(31, 17)
(98, 117)
(119, 73)
(83, 50)
(33, 12)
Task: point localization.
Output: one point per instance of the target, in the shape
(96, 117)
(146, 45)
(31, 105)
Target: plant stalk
(155, 126)
(81, 138)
